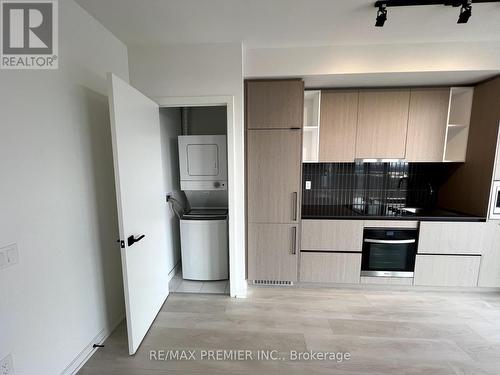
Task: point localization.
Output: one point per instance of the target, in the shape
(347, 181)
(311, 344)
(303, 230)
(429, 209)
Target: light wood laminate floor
(386, 330)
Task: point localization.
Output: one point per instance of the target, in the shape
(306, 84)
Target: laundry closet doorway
(141, 199)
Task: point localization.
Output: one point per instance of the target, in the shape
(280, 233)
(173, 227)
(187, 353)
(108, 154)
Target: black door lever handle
(132, 240)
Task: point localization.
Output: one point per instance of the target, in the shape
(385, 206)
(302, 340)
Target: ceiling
(403, 79)
(285, 23)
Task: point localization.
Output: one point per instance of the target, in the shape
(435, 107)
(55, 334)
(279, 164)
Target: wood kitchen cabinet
(274, 104)
(382, 124)
(272, 251)
(451, 238)
(339, 120)
(489, 275)
(427, 121)
(332, 235)
(274, 116)
(273, 176)
(418, 125)
(330, 267)
(447, 270)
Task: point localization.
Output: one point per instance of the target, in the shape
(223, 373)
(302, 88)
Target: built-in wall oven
(495, 202)
(389, 252)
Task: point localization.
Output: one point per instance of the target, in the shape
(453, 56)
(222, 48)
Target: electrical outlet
(12, 255)
(9, 255)
(308, 185)
(3, 260)
(7, 366)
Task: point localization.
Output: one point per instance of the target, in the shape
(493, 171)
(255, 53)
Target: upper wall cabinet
(310, 136)
(382, 124)
(457, 130)
(274, 104)
(427, 125)
(418, 125)
(339, 118)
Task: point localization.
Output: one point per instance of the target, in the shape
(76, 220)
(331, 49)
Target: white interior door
(135, 127)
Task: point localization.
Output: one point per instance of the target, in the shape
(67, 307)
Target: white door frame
(228, 101)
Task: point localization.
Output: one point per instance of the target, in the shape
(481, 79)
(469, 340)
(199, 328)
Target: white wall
(170, 128)
(365, 59)
(57, 201)
(204, 70)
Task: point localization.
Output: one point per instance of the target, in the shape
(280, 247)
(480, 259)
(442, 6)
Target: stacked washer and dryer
(204, 226)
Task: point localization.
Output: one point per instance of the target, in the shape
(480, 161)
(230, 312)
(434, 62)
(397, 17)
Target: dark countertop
(382, 213)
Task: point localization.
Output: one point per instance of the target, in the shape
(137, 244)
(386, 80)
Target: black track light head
(465, 12)
(381, 16)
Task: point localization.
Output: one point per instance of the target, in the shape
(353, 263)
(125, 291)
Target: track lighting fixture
(465, 7)
(465, 12)
(381, 16)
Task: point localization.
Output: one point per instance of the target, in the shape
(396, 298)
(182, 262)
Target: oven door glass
(390, 257)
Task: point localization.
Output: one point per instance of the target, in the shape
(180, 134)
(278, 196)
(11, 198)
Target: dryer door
(202, 158)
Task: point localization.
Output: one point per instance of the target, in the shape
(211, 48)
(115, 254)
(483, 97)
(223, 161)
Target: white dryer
(204, 245)
(203, 162)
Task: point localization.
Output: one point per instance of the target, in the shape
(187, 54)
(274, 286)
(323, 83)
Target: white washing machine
(204, 245)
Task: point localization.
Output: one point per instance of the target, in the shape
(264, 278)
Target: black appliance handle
(370, 240)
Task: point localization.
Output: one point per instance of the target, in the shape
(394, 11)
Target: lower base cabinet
(330, 267)
(489, 275)
(447, 270)
(272, 252)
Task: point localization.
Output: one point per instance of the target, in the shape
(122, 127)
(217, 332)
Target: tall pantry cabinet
(273, 117)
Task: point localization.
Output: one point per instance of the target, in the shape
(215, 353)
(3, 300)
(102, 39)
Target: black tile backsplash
(339, 189)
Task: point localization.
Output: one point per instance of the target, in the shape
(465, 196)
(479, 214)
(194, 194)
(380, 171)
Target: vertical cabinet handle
(293, 250)
(295, 205)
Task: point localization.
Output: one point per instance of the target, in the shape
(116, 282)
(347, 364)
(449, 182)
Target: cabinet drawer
(332, 235)
(451, 238)
(330, 267)
(447, 270)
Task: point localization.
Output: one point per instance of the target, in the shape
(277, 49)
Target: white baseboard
(87, 352)
(174, 270)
